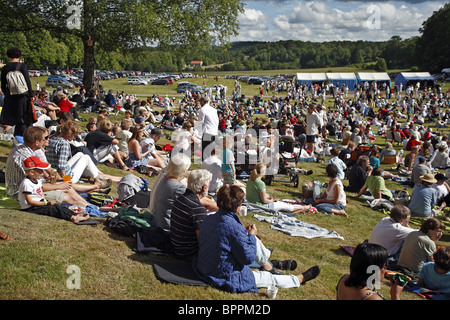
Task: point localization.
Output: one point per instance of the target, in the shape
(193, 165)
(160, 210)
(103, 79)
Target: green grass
(35, 260)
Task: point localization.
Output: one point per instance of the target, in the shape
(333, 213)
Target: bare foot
(303, 209)
(340, 213)
(79, 217)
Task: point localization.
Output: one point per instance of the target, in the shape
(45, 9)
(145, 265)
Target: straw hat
(429, 177)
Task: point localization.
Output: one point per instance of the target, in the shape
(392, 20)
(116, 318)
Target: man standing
(15, 104)
(208, 124)
(313, 123)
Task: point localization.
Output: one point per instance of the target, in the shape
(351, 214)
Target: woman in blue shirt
(424, 197)
(227, 248)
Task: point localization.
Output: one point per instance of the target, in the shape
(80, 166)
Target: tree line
(47, 47)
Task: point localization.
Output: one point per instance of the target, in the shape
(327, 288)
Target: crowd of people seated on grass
(197, 128)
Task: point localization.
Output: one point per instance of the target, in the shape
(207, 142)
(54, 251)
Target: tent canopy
(372, 76)
(338, 79)
(405, 77)
(309, 78)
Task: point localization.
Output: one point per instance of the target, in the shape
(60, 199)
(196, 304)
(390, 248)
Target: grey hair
(178, 165)
(197, 179)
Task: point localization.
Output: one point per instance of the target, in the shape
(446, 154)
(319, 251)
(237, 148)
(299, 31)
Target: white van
(137, 80)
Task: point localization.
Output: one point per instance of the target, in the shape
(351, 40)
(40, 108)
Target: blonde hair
(257, 170)
(105, 125)
(389, 146)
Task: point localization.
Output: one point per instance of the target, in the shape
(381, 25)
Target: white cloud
(332, 20)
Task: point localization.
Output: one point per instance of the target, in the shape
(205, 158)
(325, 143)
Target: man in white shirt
(208, 124)
(313, 123)
(391, 231)
(214, 165)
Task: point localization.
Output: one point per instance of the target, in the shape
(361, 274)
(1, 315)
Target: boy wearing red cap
(31, 196)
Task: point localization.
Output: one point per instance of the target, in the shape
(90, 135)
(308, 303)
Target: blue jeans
(327, 207)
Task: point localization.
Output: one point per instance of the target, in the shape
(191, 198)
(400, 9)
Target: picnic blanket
(177, 272)
(297, 228)
(426, 293)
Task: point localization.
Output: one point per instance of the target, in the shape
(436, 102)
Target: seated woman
(65, 105)
(333, 200)
(356, 285)
(388, 150)
(374, 158)
(135, 155)
(184, 139)
(50, 108)
(419, 247)
(227, 248)
(440, 158)
(375, 184)
(435, 275)
(256, 193)
(103, 146)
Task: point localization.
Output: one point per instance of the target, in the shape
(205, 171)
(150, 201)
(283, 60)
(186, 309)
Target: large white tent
(372, 76)
(310, 78)
(405, 78)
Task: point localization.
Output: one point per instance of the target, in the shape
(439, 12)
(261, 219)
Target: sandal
(111, 165)
(284, 265)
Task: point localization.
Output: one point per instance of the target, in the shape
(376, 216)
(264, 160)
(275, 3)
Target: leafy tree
(433, 46)
(125, 24)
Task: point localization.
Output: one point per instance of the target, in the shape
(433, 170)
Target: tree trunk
(90, 78)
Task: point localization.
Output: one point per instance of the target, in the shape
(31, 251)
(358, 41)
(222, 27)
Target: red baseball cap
(33, 163)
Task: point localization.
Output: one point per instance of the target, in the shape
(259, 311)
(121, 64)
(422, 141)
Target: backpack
(361, 150)
(99, 199)
(126, 228)
(16, 82)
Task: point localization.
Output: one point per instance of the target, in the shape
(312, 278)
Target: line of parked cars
(156, 79)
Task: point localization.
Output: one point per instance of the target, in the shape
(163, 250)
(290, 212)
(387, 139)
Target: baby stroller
(287, 158)
(245, 157)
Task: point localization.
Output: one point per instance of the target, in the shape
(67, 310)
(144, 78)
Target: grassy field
(35, 261)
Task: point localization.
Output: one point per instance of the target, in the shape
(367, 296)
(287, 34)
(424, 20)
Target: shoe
(106, 183)
(310, 274)
(284, 265)
(272, 271)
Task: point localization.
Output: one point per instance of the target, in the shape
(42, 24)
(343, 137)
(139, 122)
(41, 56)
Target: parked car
(161, 82)
(254, 80)
(58, 82)
(137, 80)
(193, 89)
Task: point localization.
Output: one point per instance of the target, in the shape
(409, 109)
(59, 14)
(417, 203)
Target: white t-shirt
(148, 143)
(342, 197)
(208, 120)
(213, 165)
(313, 122)
(389, 234)
(34, 188)
(441, 190)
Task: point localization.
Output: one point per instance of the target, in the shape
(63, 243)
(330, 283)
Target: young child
(31, 196)
(228, 169)
(334, 159)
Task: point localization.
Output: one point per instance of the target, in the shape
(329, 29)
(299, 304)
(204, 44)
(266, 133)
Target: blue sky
(330, 20)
